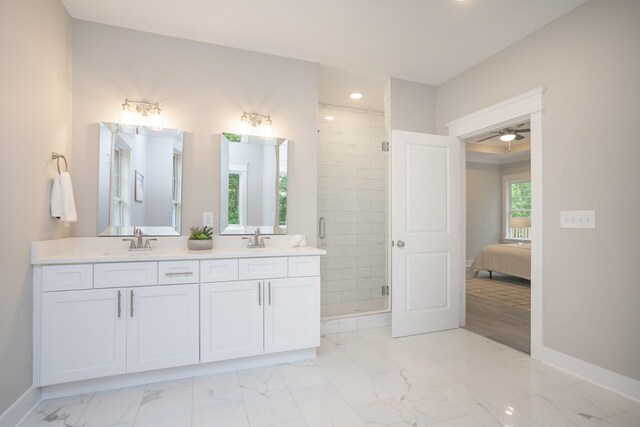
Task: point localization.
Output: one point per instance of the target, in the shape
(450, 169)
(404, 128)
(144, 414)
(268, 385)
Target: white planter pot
(199, 245)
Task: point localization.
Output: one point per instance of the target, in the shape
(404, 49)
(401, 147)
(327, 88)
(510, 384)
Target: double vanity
(106, 317)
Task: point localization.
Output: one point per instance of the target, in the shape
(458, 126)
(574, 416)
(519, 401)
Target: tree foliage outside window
(234, 200)
(519, 205)
(282, 202)
(521, 199)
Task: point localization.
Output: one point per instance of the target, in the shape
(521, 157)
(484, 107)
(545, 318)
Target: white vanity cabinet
(165, 318)
(260, 316)
(292, 314)
(231, 320)
(83, 335)
(100, 332)
(162, 327)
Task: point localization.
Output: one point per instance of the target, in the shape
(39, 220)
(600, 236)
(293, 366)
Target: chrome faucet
(256, 241)
(137, 243)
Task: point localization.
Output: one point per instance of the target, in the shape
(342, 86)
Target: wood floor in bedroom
(500, 309)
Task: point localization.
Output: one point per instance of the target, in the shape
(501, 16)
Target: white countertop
(86, 250)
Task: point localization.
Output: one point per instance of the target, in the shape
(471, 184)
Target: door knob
(400, 244)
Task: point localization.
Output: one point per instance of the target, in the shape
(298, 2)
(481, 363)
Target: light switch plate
(207, 219)
(578, 219)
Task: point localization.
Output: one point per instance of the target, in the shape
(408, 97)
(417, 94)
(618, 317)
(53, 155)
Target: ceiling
(495, 151)
(359, 42)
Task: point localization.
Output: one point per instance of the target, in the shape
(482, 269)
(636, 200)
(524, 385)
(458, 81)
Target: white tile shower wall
(352, 193)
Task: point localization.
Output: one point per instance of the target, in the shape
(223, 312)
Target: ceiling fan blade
(519, 137)
(524, 130)
(484, 139)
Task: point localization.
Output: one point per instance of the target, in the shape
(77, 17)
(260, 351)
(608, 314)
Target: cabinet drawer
(67, 277)
(304, 266)
(218, 270)
(122, 274)
(262, 268)
(178, 272)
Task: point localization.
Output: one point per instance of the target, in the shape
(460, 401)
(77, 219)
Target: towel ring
(57, 156)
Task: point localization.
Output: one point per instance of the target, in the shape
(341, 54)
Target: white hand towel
(63, 205)
(302, 243)
(295, 241)
(56, 198)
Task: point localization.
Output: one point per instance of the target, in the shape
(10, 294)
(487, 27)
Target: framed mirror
(139, 180)
(253, 184)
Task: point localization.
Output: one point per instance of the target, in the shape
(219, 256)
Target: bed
(513, 259)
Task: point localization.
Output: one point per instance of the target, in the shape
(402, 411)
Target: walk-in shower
(352, 211)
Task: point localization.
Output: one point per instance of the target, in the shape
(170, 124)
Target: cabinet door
(162, 327)
(83, 335)
(292, 314)
(231, 319)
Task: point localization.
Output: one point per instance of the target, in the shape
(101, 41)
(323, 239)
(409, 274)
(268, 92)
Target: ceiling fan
(507, 135)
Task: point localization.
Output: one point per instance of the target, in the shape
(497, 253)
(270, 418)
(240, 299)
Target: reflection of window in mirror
(238, 194)
(282, 199)
(119, 212)
(175, 191)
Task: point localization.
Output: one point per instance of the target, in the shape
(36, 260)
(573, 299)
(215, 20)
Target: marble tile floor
(364, 378)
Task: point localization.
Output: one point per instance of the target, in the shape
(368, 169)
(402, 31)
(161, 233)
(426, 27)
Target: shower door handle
(322, 232)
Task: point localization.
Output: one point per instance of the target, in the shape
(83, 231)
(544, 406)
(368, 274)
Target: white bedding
(513, 259)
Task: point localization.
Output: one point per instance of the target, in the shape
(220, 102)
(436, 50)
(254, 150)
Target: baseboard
(21, 408)
(605, 378)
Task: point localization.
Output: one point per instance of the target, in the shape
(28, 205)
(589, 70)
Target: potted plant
(200, 238)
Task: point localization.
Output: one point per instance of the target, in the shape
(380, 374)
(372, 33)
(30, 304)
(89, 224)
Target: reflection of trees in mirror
(282, 201)
(232, 137)
(234, 190)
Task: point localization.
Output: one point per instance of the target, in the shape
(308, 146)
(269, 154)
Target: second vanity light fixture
(255, 120)
(141, 113)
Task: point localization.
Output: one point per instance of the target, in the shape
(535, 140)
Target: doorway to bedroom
(498, 235)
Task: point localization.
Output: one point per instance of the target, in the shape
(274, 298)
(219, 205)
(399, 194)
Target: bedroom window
(518, 207)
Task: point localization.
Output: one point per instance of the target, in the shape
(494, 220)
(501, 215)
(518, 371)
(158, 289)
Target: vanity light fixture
(356, 95)
(255, 120)
(141, 113)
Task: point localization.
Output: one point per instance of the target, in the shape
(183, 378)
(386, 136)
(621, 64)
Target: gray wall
(484, 201)
(35, 118)
(203, 89)
(589, 60)
(410, 106)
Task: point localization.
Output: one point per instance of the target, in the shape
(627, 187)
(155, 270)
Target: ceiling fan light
(507, 137)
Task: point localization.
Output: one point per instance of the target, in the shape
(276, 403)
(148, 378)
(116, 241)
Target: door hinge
(385, 146)
(385, 290)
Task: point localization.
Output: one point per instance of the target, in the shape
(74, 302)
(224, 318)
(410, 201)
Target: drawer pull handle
(269, 293)
(119, 303)
(179, 273)
(131, 304)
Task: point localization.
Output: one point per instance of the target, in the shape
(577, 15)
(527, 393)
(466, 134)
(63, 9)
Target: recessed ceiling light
(356, 95)
(329, 118)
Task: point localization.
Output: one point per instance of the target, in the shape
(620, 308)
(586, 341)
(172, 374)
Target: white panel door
(291, 314)
(231, 319)
(426, 224)
(83, 335)
(162, 327)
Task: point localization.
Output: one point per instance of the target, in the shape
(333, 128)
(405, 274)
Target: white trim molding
(605, 378)
(21, 408)
(526, 106)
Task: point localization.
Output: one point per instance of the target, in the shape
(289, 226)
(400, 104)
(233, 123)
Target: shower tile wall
(353, 200)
